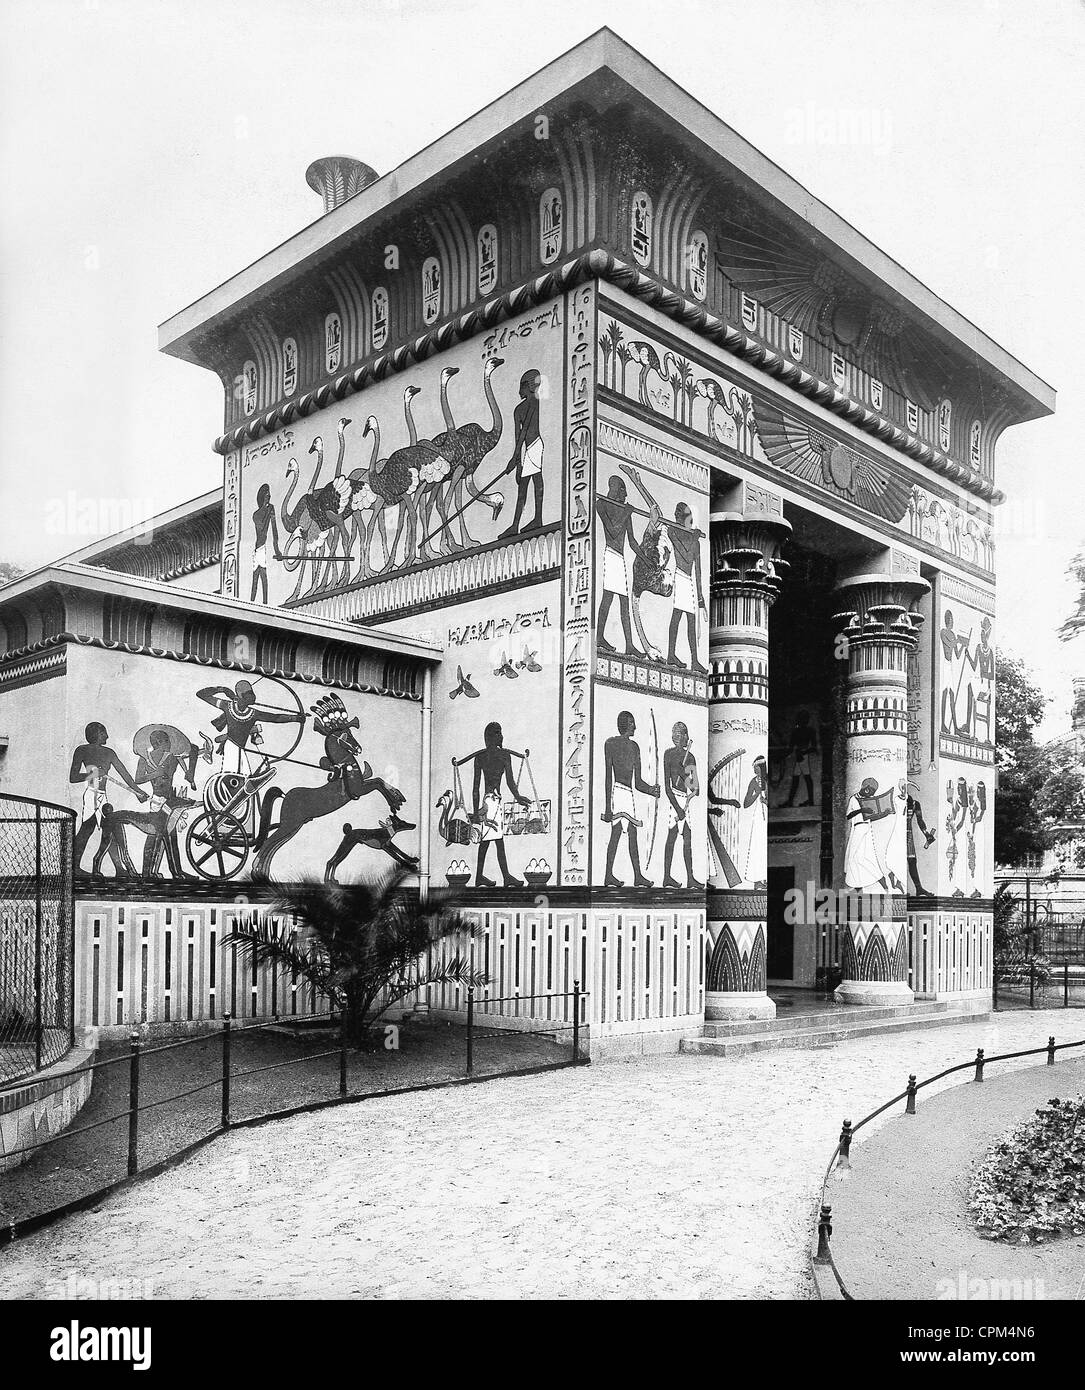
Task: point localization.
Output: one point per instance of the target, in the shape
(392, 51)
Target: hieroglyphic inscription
(577, 596)
(231, 523)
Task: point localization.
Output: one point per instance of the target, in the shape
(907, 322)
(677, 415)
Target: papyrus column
(877, 629)
(746, 577)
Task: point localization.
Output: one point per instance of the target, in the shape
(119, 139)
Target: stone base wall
(46, 1104)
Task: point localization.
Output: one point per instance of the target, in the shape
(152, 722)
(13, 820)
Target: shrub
(1030, 1185)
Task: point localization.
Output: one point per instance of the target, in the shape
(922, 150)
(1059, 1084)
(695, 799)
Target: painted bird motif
(528, 662)
(506, 668)
(464, 687)
(866, 482)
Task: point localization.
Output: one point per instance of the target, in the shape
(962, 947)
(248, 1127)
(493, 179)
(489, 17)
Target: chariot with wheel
(220, 836)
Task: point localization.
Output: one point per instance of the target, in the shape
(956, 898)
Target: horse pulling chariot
(238, 806)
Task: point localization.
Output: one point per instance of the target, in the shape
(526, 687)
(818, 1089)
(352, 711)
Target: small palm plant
(365, 946)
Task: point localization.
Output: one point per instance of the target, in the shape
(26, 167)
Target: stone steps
(843, 1015)
(822, 1035)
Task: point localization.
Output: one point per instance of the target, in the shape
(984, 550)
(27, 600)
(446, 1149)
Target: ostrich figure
(476, 442)
(393, 482)
(452, 448)
(299, 521)
(433, 468)
(646, 357)
(328, 508)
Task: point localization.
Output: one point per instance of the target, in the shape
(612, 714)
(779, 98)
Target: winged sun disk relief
(817, 459)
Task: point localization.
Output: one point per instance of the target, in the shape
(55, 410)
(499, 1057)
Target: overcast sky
(151, 148)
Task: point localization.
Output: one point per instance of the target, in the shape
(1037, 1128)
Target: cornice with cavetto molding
(600, 264)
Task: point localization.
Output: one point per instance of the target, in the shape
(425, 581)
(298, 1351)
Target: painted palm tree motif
(825, 462)
(683, 385)
(622, 355)
(610, 342)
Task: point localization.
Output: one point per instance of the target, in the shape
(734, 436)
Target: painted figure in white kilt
(623, 780)
(527, 453)
(682, 785)
(493, 765)
(616, 514)
(265, 527)
(94, 764)
(687, 597)
(875, 839)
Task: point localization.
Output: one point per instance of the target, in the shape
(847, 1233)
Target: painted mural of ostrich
(394, 482)
(477, 442)
(646, 357)
(328, 507)
(434, 467)
(361, 499)
(451, 447)
(298, 521)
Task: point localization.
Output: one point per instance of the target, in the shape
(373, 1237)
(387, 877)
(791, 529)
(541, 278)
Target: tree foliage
(1075, 623)
(1023, 765)
(364, 946)
(1019, 706)
(1041, 786)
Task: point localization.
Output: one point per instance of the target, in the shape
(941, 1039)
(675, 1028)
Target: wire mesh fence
(37, 935)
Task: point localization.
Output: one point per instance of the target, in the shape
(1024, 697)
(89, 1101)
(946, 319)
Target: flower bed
(1030, 1186)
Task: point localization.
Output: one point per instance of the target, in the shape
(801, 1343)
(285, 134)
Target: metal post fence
(840, 1161)
(218, 1071)
(133, 1107)
(470, 1029)
(226, 1071)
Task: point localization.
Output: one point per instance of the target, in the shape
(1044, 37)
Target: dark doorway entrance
(780, 948)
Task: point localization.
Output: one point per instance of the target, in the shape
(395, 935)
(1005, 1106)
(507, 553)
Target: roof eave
(93, 579)
(603, 53)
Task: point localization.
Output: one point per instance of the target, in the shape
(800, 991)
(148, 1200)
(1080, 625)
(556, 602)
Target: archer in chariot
(239, 721)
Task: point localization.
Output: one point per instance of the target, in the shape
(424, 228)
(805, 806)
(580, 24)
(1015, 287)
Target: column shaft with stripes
(878, 629)
(746, 577)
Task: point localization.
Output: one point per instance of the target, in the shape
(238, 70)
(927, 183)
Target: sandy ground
(901, 1227)
(672, 1177)
(80, 1163)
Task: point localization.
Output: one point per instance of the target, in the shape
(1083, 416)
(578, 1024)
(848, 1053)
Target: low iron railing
(137, 1055)
(841, 1156)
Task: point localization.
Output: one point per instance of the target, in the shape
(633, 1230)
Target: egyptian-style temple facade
(606, 530)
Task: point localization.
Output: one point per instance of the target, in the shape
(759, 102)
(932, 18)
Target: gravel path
(670, 1177)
